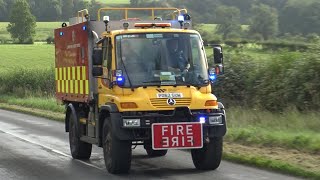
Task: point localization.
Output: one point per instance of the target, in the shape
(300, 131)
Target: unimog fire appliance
(132, 82)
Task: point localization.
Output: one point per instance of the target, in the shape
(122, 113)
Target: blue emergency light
(202, 119)
(61, 33)
(212, 77)
(119, 78)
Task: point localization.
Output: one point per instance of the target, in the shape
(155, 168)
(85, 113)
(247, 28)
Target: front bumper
(182, 114)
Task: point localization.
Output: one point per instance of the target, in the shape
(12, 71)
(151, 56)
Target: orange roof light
(149, 25)
(162, 24)
(143, 25)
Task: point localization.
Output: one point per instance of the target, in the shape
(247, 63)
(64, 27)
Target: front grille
(162, 102)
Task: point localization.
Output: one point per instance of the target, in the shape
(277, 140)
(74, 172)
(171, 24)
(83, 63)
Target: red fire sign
(177, 135)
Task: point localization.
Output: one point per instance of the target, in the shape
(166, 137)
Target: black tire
(78, 148)
(156, 153)
(209, 156)
(117, 153)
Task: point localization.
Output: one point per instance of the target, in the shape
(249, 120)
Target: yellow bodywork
(146, 98)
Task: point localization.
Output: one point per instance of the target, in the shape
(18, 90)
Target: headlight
(215, 120)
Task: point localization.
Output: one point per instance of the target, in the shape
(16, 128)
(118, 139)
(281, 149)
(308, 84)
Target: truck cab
(136, 82)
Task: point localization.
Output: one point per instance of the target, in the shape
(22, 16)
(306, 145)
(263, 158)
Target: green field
(26, 56)
(43, 30)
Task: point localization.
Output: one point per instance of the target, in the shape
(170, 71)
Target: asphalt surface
(37, 148)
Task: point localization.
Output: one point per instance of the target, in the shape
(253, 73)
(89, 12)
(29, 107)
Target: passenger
(130, 58)
(176, 57)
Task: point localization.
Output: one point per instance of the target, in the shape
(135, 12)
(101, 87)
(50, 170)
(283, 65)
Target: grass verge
(32, 111)
(276, 159)
(46, 104)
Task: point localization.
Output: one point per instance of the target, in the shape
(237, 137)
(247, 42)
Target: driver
(176, 57)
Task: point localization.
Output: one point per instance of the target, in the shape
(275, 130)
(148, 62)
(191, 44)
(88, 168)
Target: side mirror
(97, 57)
(217, 54)
(97, 71)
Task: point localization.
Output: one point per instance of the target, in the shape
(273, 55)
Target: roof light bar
(143, 25)
(162, 24)
(146, 25)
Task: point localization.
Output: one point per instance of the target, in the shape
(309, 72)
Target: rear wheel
(209, 156)
(78, 148)
(117, 153)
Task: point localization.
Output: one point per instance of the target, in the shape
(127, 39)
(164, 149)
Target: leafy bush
(24, 82)
(289, 80)
(50, 40)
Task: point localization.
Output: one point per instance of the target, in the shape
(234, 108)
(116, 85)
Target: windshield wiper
(148, 82)
(124, 66)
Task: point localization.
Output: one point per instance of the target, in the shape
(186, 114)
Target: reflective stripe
(81, 86)
(87, 87)
(78, 73)
(67, 86)
(62, 86)
(71, 86)
(64, 74)
(60, 74)
(69, 73)
(76, 87)
(56, 74)
(73, 73)
(84, 73)
(72, 80)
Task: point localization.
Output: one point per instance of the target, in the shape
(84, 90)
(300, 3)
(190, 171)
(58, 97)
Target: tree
(134, 3)
(264, 21)
(46, 10)
(2, 9)
(94, 6)
(67, 9)
(229, 21)
(22, 23)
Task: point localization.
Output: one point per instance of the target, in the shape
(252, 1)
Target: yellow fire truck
(132, 81)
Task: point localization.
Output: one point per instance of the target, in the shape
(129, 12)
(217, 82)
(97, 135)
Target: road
(37, 148)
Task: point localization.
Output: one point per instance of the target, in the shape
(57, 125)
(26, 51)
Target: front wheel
(209, 156)
(117, 153)
(78, 148)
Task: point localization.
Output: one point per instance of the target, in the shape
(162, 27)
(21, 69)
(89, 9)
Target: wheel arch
(71, 109)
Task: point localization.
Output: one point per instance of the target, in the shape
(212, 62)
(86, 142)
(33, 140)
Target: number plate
(176, 135)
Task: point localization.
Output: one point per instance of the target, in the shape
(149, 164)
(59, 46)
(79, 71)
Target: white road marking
(53, 150)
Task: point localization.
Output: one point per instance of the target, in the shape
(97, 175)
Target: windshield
(161, 59)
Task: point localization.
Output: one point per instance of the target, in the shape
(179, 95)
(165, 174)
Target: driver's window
(107, 57)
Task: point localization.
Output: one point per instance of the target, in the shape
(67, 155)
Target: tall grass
(289, 129)
(43, 103)
(26, 82)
